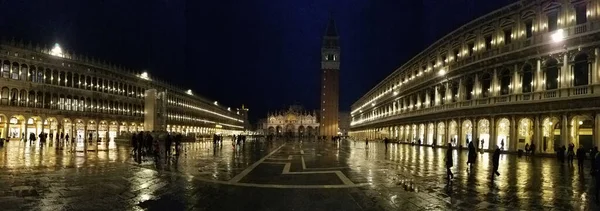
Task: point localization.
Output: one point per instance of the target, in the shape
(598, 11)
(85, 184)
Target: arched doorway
(430, 132)
(407, 137)
(503, 133)
(421, 137)
(16, 127)
(3, 126)
(483, 131)
(525, 133)
(441, 128)
(289, 130)
(452, 132)
(582, 131)
(278, 130)
(413, 133)
(301, 131)
(551, 134)
(271, 130)
(467, 132)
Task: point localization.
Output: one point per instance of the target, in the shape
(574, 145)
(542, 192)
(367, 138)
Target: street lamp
(442, 72)
(558, 36)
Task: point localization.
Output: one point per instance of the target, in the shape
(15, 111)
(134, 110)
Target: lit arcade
(526, 73)
(55, 91)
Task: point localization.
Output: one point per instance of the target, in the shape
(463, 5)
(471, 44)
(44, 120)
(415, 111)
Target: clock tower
(330, 68)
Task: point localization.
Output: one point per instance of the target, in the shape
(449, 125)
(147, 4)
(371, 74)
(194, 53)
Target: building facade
(526, 73)
(52, 91)
(330, 71)
(294, 121)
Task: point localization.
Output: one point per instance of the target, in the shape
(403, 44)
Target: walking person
(449, 162)
(532, 149)
(571, 153)
(385, 141)
(367, 143)
(496, 162)
(168, 141)
(471, 156)
(593, 154)
(596, 161)
(580, 158)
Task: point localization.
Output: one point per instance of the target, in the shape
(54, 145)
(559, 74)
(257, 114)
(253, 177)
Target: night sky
(264, 54)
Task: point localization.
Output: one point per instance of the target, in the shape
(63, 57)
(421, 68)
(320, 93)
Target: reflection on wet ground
(283, 175)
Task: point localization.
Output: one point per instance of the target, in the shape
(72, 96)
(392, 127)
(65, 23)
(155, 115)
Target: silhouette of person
(571, 153)
(472, 155)
(449, 162)
(496, 162)
(580, 158)
(593, 154)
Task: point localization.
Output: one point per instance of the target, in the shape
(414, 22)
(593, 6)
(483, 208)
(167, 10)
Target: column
(492, 134)
(538, 76)
(460, 140)
(594, 68)
(475, 136)
(513, 134)
(447, 133)
(435, 133)
(476, 88)
(596, 130)
(461, 91)
(494, 83)
(564, 134)
(537, 134)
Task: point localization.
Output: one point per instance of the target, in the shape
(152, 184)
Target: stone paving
(284, 175)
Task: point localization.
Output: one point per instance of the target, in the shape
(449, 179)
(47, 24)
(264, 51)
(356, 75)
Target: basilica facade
(295, 121)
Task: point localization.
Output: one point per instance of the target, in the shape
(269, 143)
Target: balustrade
(550, 94)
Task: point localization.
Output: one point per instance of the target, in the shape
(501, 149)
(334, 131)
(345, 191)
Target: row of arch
(508, 133)
(47, 100)
(506, 81)
(292, 130)
(24, 72)
(18, 126)
(480, 37)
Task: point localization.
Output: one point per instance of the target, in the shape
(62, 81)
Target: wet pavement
(283, 175)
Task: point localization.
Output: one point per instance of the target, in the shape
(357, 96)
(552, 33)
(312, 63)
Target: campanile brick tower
(330, 71)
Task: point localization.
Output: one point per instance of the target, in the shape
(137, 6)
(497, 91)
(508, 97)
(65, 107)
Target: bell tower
(330, 68)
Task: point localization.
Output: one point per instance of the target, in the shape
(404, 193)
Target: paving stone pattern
(401, 177)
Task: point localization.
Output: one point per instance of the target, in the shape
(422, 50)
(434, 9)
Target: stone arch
(452, 132)
(581, 131)
(524, 132)
(467, 132)
(441, 134)
(16, 126)
(430, 133)
(483, 131)
(421, 134)
(503, 133)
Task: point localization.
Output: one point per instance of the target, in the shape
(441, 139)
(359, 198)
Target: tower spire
(331, 29)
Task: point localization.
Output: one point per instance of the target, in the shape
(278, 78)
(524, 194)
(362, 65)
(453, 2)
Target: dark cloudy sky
(261, 53)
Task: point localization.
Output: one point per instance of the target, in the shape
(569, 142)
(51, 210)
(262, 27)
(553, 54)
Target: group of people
(148, 144)
(471, 159)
